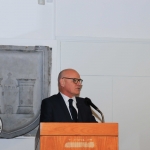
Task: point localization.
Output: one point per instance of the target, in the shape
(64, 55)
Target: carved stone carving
(24, 82)
(26, 96)
(0, 94)
(9, 95)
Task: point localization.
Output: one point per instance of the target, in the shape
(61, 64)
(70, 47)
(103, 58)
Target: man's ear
(62, 82)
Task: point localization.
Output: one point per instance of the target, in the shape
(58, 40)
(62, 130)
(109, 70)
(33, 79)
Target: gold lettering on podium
(80, 143)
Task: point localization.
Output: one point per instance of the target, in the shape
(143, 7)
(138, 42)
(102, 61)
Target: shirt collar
(66, 98)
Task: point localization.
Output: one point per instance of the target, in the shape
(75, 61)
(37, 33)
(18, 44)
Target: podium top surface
(103, 129)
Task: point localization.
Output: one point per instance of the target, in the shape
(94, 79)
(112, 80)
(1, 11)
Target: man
(66, 106)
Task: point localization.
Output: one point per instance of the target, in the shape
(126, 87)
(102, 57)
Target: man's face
(71, 87)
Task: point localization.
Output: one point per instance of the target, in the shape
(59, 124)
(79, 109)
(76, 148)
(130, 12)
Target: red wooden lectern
(79, 136)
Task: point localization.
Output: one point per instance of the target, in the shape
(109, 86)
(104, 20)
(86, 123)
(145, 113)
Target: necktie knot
(72, 110)
(70, 102)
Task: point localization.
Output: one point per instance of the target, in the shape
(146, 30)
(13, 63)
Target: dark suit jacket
(54, 109)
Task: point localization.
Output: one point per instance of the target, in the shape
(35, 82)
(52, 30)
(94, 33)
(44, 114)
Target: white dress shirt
(66, 98)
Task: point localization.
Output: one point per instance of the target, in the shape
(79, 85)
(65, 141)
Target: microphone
(89, 102)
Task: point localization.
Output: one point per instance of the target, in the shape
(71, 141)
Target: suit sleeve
(46, 111)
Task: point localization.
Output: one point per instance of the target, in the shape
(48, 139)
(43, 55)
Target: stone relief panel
(24, 82)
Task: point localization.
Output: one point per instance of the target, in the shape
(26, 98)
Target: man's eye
(75, 80)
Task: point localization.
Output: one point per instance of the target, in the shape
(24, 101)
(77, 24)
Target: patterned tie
(72, 110)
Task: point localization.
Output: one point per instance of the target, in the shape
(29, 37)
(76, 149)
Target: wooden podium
(79, 136)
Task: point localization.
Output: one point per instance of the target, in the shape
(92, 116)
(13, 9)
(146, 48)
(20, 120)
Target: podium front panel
(79, 136)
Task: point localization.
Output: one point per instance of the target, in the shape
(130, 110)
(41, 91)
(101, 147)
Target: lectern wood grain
(77, 136)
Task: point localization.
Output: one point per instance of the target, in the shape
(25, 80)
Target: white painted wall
(103, 18)
(116, 76)
(21, 19)
(108, 42)
(23, 143)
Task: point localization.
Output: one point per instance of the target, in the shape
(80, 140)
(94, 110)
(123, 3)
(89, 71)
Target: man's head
(69, 82)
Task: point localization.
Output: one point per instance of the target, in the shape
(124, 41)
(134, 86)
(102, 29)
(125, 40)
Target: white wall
(26, 19)
(23, 143)
(116, 76)
(103, 18)
(108, 42)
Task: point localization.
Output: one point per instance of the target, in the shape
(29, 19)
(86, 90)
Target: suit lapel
(64, 108)
(80, 108)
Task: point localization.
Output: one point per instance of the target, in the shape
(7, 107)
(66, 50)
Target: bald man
(66, 106)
